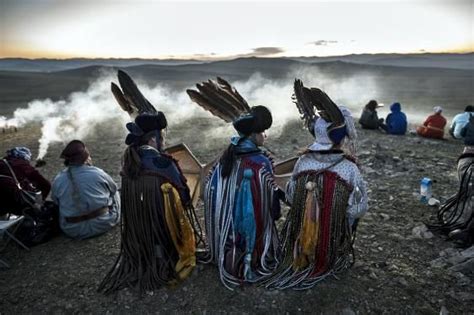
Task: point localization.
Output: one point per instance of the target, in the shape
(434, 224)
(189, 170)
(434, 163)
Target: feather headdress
(225, 102)
(313, 103)
(129, 97)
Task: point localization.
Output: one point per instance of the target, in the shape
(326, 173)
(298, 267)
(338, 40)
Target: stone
(443, 310)
(469, 252)
(348, 311)
(464, 267)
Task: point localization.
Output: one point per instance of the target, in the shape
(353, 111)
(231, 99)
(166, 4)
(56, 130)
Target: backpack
(39, 225)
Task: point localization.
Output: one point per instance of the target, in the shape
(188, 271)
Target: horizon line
(224, 58)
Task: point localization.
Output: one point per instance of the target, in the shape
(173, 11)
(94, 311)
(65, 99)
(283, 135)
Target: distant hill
(355, 82)
(51, 65)
(449, 61)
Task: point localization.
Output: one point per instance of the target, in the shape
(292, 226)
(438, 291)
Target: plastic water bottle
(425, 189)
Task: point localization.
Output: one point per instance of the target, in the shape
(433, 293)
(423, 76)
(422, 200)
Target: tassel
(244, 220)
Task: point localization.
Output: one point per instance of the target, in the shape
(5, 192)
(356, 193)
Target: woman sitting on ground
(369, 118)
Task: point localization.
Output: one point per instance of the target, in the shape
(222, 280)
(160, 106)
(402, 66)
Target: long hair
(132, 164)
(227, 160)
(372, 105)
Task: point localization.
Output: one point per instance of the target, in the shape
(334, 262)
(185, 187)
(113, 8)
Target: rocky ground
(399, 268)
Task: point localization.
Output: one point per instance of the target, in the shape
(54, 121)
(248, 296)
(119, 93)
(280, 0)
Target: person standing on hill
(459, 121)
(369, 118)
(396, 121)
(433, 127)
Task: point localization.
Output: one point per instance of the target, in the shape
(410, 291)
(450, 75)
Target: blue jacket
(396, 120)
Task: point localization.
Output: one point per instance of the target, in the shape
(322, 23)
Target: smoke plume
(81, 113)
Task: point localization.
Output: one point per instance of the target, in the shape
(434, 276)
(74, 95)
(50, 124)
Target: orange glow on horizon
(38, 54)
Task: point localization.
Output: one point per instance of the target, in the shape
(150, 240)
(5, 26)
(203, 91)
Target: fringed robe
(458, 211)
(158, 240)
(239, 214)
(327, 194)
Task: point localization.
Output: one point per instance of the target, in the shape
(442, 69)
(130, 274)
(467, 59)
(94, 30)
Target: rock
(438, 263)
(465, 296)
(456, 259)
(469, 253)
(385, 216)
(464, 267)
(422, 232)
(448, 252)
(443, 310)
(402, 281)
(348, 311)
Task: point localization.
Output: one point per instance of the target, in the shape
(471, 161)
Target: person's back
(433, 127)
(29, 178)
(88, 200)
(327, 196)
(241, 205)
(459, 121)
(158, 239)
(396, 121)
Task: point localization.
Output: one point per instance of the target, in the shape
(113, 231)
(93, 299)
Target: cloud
(265, 51)
(323, 42)
(259, 52)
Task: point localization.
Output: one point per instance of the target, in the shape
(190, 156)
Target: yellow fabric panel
(181, 231)
(309, 234)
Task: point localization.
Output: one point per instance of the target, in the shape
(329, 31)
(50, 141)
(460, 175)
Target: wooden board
(194, 171)
(283, 171)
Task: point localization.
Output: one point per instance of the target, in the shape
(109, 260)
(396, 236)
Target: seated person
(369, 118)
(459, 121)
(17, 161)
(158, 237)
(328, 196)
(88, 198)
(433, 127)
(396, 121)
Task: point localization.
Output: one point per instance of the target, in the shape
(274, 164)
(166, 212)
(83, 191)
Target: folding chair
(4, 226)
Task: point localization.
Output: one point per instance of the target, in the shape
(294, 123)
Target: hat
(437, 109)
(144, 124)
(20, 153)
(75, 152)
(148, 122)
(326, 136)
(257, 120)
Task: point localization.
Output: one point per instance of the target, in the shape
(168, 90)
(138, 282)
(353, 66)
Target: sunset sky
(226, 29)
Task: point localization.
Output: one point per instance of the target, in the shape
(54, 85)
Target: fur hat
(75, 152)
(258, 120)
(144, 124)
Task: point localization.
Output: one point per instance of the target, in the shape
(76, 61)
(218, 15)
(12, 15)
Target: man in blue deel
(396, 121)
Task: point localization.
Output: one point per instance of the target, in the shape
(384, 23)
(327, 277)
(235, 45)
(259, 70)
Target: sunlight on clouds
(150, 29)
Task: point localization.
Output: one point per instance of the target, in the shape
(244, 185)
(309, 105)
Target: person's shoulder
(163, 160)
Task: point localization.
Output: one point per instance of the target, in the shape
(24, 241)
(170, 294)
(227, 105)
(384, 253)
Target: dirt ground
(392, 274)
